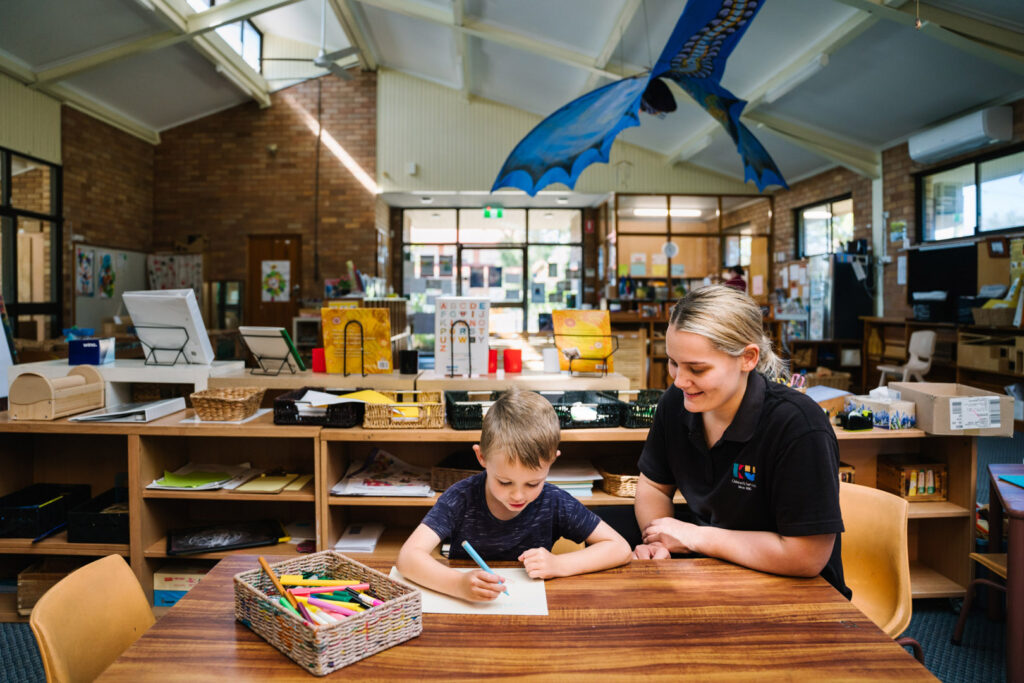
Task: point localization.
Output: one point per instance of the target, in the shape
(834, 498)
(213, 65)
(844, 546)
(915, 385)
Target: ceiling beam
(520, 41)
(860, 160)
(462, 48)
(80, 64)
(344, 12)
(230, 12)
(17, 70)
(826, 45)
(626, 14)
(997, 45)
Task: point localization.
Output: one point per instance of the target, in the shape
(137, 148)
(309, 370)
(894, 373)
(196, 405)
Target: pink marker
(325, 604)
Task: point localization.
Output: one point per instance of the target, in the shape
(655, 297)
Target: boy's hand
(479, 586)
(651, 551)
(673, 534)
(540, 563)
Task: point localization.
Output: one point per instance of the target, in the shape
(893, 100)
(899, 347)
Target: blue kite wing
(561, 146)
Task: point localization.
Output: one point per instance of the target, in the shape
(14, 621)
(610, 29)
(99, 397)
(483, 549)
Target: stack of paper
(575, 476)
(315, 403)
(382, 474)
(360, 538)
(195, 477)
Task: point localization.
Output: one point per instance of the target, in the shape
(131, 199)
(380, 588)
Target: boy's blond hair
(523, 426)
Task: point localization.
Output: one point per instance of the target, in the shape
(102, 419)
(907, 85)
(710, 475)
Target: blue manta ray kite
(582, 132)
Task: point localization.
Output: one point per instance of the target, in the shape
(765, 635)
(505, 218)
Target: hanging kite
(582, 132)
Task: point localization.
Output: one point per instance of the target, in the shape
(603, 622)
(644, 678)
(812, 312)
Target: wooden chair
(995, 563)
(875, 559)
(921, 349)
(89, 618)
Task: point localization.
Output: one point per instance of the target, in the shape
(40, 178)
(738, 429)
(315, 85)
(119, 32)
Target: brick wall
(30, 190)
(221, 176)
(108, 190)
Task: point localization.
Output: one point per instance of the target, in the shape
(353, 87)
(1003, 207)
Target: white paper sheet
(525, 596)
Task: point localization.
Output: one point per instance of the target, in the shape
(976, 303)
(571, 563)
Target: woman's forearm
(767, 551)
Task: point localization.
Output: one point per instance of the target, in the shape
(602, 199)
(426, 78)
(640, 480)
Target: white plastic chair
(921, 348)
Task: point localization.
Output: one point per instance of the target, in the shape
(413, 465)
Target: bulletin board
(101, 276)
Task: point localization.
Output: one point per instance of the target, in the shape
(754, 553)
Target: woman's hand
(673, 535)
(651, 551)
(540, 563)
(479, 586)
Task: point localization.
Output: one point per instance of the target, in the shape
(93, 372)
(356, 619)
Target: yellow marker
(297, 580)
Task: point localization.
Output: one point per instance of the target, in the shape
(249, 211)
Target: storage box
(466, 409)
(323, 649)
(832, 400)
(830, 378)
(992, 353)
(886, 413)
(39, 508)
(41, 576)
(104, 519)
(585, 409)
(949, 408)
(847, 473)
(91, 351)
(913, 481)
(408, 410)
(173, 580)
(993, 317)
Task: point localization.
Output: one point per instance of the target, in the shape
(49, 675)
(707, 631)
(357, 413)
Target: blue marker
(480, 561)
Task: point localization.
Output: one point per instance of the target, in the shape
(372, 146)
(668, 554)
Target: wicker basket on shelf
(618, 479)
(227, 403)
(829, 378)
(407, 410)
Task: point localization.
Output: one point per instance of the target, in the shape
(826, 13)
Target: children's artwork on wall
(276, 280)
(476, 276)
(107, 276)
(446, 264)
(85, 272)
(580, 133)
(494, 276)
(427, 265)
(537, 293)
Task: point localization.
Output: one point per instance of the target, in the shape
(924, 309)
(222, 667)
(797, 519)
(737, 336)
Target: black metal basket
(39, 509)
(638, 413)
(343, 415)
(88, 523)
(608, 410)
(466, 409)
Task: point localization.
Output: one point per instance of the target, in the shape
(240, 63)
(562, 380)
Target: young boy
(508, 512)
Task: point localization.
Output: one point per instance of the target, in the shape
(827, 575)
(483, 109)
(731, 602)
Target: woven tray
(228, 403)
(429, 406)
(454, 468)
(618, 478)
(323, 649)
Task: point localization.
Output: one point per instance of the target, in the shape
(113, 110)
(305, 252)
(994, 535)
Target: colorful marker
(480, 561)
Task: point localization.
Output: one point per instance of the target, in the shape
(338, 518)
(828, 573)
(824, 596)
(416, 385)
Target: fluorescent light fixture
(661, 213)
(818, 215)
(433, 192)
(562, 200)
(474, 192)
(426, 200)
(796, 78)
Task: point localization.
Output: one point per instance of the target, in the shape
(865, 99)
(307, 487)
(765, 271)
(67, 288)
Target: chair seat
(894, 369)
(994, 562)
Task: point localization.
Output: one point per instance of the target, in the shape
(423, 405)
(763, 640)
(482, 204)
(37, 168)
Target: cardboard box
(118, 324)
(91, 351)
(886, 413)
(958, 409)
(179, 576)
(832, 400)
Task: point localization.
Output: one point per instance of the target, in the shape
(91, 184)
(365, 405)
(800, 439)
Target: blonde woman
(756, 461)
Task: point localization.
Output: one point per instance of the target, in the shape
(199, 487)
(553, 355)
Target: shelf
(9, 609)
(928, 583)
(58, 545)
(936, 510)
(306, 495)
(159, 549)
(599, 497)
(449, 435)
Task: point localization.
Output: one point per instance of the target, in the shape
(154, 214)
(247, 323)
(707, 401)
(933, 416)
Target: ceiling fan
(324, 60)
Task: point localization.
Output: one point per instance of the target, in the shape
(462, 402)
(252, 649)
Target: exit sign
(493, 212)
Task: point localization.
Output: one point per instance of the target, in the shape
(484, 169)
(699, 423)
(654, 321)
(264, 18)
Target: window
(242, 36)
(526, 261)
(977, 197)
(825, 228)
(30, 245)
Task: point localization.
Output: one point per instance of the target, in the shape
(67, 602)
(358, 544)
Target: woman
(756, 461)
(735, 279)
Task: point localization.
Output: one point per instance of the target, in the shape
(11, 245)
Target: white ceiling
(883, 80)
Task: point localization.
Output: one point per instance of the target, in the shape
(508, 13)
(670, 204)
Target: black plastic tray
(39, 508)
(87, 523)
(342, 415)
(609, 410)
(638, 414)
(465, 409)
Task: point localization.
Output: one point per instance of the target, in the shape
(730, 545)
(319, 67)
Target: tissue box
(889, 413)
(91, 351)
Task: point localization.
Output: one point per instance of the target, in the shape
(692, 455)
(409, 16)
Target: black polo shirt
(776, 467)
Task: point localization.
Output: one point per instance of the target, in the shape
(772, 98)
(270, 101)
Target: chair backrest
(922, 345)
(89, 618)
(875, 560)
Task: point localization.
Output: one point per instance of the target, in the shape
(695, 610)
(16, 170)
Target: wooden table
(697, 619)
(1004, 496)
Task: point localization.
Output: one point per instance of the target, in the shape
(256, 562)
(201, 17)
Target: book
(197, 477)
(458, 346)
(342, 344)
(225, 536)
(272, 347)
(584, 340)
(145, 411)
(360, 537)
(382, 474)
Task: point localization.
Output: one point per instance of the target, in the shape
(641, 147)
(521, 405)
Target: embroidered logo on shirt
(744, 476)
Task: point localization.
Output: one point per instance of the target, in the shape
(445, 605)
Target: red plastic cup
(492, 360)
(513, 360)
(319, 364)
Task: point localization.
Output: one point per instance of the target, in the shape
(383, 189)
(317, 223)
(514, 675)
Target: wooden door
(273, 280)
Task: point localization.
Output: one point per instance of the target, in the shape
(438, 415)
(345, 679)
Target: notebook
(267, 483)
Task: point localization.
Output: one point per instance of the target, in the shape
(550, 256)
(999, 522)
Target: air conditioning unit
(983, 127)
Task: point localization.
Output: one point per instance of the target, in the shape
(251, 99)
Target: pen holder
(323, 649)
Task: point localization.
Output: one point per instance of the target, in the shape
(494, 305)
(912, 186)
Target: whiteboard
(129, 269)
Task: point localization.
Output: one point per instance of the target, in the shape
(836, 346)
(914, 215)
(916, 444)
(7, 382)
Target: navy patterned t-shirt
(461, 514)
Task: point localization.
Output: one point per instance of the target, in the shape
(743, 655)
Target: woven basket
(618, 479)
(323, 649)
(454, 468)
(429, 406)
(228, 403)
(835, 379)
